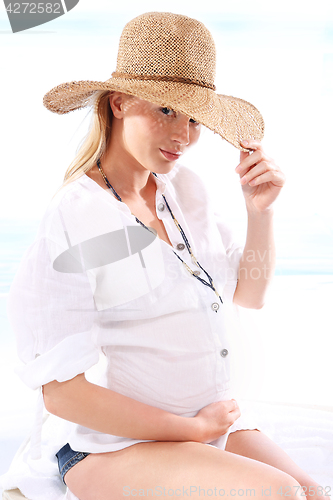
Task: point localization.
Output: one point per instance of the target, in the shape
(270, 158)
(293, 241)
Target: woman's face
(152, 135)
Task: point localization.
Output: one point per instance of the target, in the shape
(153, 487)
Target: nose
(181, 130)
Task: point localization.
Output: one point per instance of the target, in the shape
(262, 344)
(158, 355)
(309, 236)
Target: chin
(166, 168)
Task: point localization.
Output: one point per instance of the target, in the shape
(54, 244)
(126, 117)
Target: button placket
(180, 246)
(215, 306)
(219, 338)
(162, 214)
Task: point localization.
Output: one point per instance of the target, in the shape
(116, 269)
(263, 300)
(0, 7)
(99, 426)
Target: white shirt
(96, 284)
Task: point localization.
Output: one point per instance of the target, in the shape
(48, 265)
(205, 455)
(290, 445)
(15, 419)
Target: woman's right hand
(215, 419)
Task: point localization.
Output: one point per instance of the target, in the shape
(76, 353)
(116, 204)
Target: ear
(116, 104)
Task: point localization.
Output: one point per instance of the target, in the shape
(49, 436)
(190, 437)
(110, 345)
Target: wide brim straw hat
(170, 60)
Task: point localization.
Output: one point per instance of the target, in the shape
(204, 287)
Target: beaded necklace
(180, 229)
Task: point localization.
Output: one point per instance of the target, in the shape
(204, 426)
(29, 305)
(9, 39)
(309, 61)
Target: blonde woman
(132, 264)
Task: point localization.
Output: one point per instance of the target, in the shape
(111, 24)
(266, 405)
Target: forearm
(109, 412)
(257, 264)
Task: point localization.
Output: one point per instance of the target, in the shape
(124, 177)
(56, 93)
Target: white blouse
(96, 285)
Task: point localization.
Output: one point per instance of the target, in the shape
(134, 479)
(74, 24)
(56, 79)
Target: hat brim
(232, 118)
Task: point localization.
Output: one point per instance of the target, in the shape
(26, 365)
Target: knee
(283, 487)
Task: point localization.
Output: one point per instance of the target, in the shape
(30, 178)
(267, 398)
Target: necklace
(180, 229)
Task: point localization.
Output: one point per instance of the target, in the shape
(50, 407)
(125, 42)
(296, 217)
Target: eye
(167, 111)
(193, 121)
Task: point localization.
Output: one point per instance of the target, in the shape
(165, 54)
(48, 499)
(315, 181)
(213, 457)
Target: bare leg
(182, 468)
(256, 445)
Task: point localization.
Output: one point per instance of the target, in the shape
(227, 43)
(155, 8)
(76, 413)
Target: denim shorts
(67, 458)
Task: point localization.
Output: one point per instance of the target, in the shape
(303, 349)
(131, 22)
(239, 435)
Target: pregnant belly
(181, 383)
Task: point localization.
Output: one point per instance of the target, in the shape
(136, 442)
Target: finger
(243, 155)
(235, 415)
(233, 405)
(249, 161)
(251, 144)
(276, 177)
(254, 172)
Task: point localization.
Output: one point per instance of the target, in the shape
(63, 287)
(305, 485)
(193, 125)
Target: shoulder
(79, 199)
(186, 183)
(70, 209)
(193, 196)
(181, 174)
(73, 192)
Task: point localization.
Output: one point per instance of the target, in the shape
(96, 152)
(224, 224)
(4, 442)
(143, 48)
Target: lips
(171, 155)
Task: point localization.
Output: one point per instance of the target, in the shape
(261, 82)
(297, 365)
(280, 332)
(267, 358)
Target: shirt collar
(160, 186)
(160, 189)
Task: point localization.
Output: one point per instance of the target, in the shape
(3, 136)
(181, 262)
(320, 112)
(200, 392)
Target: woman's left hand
(260, 177)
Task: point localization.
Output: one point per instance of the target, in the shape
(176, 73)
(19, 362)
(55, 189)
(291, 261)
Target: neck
(130, 179)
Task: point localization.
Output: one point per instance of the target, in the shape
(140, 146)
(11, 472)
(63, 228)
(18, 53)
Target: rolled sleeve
(64, 361)
(53, 317)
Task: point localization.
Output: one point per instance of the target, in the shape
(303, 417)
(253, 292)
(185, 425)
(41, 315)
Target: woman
(132, 262)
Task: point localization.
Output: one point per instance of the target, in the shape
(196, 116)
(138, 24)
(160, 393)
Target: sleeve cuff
(72, 356)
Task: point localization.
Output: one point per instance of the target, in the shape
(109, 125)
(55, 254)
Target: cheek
(144, 127)
(134, 133)
(141, 136)
(194, 135)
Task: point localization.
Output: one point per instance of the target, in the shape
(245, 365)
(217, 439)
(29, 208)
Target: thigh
(172, 469)
(257, 446)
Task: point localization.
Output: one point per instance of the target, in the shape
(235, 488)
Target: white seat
(13, 495)
(17, 495)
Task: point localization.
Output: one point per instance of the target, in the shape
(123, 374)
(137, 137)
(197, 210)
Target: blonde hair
(96, 141)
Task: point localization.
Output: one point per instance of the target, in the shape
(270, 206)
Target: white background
(277, 55)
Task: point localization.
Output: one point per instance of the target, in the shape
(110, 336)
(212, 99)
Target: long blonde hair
(96, 140)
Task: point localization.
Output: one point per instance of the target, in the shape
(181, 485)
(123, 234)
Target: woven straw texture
(169, 60)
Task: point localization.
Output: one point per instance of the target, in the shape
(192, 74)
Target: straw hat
(169, 60)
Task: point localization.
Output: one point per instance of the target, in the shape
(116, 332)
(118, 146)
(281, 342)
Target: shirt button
(180, 246)
(215, 306)
(224, 353)
(197, 273)
(161, 207)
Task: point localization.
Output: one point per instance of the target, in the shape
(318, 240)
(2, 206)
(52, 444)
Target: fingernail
(237, 169)
(245, 143)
